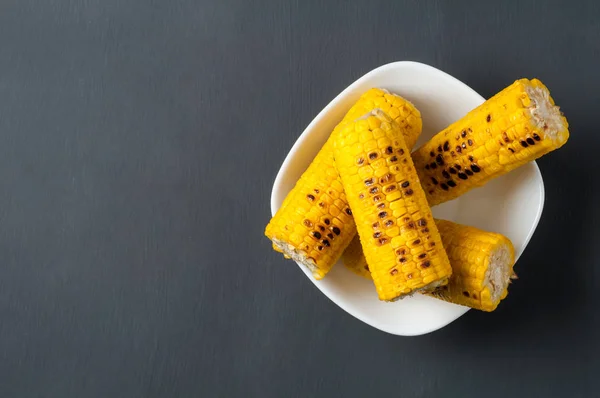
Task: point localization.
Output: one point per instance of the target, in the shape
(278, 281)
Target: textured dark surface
(138, 144)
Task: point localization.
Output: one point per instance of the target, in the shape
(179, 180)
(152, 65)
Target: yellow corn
(482, 263)
(517, 125)
(400, 241)
(396, 107)
(314, 225)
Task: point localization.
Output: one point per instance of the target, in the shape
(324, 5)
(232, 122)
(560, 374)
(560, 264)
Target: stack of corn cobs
(366, 180)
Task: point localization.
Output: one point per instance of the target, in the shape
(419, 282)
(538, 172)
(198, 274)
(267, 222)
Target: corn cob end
(545, 114)
(486, 291)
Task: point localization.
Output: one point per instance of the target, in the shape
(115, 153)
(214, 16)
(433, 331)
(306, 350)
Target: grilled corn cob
(482, 263)
(400, 241)
(517, 125)
(314, 225)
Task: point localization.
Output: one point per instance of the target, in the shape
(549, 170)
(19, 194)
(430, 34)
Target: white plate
(511, 205)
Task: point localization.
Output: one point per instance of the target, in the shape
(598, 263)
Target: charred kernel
(475, 168)
(404, 161)
(458, 166)
(382, 241)
(389, 150)
(463, 145)
(336, 230)
(394, 159)
(373, 155)
(386, 178)
(310, 197)
(433, 165)
(316, 190)
(408, 192)
(511, 150)
(325, 243)
(469, 172)
(431, 244)
(361, 196)
(411, 225)
(401, 252)
(330, 236)
(470, 158)
(444, 186)
(523, 144)
(402, 259)
(439, 160)
(388, 223)
(488, 118)
(316, 234)
(439, 148)
(394, 271)
(390, 188)
(377, 235)
(470, 142)
(425, 230)
(463, 134)
(376, 225)
(451, 183)
(360, 161)
(425, 264)
(446, 146)
(417, 242)
(405, 184)
(432, 154)
(536, 137)
(369, 182)
(308, 223)
(322, 205)
(374, 190)
(452, 170)
(435, 182)
(458, 149)
(321, 228)
(306, 247)
(445, 174)
(320, 248)
(530, 141)
(401, 151)
(376, 198)
(452, 154)
(408, 276)
(422, 256)
(348, 211)
(406, 219)
(381, 206)
(383, 214)
(422, 222)
(466, 294)
(426, 167)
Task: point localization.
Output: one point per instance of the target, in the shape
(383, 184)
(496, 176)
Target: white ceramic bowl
(511, 205)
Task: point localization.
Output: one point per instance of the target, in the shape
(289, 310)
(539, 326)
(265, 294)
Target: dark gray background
(139, 141)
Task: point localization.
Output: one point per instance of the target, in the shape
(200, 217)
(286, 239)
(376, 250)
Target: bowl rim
(304, 136)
